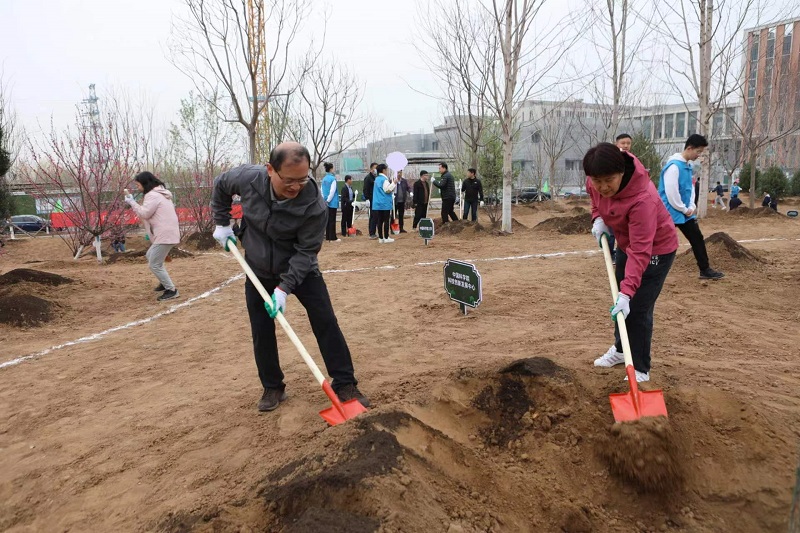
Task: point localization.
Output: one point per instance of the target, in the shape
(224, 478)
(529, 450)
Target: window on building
(771, 43)
(680, 125)
(692, 123)
(657, 126)
(717, 124)
(787, 38)
(573, 164)
(435, 146)
(647, 127)
(754, 47)
(669, 126)
(536, 137)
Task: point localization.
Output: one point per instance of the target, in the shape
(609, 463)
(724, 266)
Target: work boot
(611, 358)
(271, 399)
(160, 288)
(350, 392)
(168, 295)
(710, 273)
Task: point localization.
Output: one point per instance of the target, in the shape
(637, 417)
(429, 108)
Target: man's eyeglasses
(292, 182)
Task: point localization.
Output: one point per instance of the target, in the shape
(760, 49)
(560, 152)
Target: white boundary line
(190, 301)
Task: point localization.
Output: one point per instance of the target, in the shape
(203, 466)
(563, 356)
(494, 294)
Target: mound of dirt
(25, 310)
(724, 253)
(577, 210)
(20, 275)
(758, 212)
(139, 256)
(469, 230)
(201, 241)
(575, 225)
(646, 452)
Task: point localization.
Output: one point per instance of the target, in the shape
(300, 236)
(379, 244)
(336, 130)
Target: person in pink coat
(161, 223)
(625, 201)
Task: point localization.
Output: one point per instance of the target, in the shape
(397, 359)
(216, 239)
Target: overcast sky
(50, 51)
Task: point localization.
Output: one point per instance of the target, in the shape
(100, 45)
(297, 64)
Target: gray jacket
(281, 239)
(447, 185)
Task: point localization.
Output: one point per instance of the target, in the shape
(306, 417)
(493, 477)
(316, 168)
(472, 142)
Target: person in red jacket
(626, 201)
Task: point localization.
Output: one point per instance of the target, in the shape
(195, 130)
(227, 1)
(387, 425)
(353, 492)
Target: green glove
(146, 237)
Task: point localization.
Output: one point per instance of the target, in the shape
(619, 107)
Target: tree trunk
(753, 156)
(706, 28)
(251, 137)
(507, 117)
(508, 176)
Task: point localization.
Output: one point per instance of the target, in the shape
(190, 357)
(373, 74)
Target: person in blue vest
(735, 190)
(329, 192)
(382, 198)
(678, 195)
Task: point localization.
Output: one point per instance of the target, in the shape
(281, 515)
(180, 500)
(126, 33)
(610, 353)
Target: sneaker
(641, 377)
(168, 295)
(271, 399)
(611, 358)
(381, 241)
(338, 240)
(350, 392)
(710, 273)
(388, 239)
(160, 288)
(373, 237)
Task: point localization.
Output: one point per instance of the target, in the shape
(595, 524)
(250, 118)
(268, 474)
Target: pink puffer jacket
(158, 214)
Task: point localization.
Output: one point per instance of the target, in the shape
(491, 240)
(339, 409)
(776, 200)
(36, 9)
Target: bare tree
(9, 148)
(552, 136)
(224, 43)
(461, 68)
(328, 99)
(84, 169)
(526, 59)
(703, 40)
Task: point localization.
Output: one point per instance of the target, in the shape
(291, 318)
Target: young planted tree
(201, 147)
(8, 150)
(490, 171)
(243, 46)
(85, 168)
(644, 149)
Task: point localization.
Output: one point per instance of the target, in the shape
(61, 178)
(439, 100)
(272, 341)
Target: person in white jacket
(161, 223)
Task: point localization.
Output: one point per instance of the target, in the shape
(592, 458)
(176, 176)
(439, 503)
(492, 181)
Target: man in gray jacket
(447, 186)
(282, 229)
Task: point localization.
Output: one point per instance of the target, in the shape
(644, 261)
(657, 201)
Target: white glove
(278, 302)
(482, 204)
(599, 229)
(222, 234)
(623, 306)
(129, 199)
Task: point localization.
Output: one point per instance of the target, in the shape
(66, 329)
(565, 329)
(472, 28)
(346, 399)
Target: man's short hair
(444, 165)
(423, 173)
(372, 165)
(348, 177)
(623, 136)
(291, 154)
(472, 170)
(695, 140)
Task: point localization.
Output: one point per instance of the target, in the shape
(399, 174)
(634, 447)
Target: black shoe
(373, 236)
(160, 288)
(168, 295)
(710, 273)
(350, 392)
(271, 399)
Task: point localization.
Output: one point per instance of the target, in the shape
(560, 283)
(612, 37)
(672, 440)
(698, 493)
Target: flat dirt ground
(494, 421)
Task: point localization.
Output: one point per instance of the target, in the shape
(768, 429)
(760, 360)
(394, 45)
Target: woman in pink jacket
(161, 223)
(626, 201)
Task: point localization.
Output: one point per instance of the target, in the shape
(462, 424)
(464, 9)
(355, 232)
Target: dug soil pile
(758, 212)
(724, 254)
(200, 241)
(139, 256)
(469, 230)
(25, 310)
(575, 225)
(21, 275)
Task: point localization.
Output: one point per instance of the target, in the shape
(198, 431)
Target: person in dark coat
(447, 186)
(347, 197)
(422, 195)
(473, 194)
(369, 187)
(401, 197)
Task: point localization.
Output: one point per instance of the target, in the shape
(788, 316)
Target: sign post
(426, 229)
(462, 282)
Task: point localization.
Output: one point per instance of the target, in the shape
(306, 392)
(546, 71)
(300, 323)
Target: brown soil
(24, 310)
(494, 421)
(138, 256)
(724, 253)
(200, 241)
(575, 225)
(467, 229)
(757, 212)
(20, 275)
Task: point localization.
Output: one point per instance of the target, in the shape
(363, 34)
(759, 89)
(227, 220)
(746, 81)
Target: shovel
(341, 411)
(632, 405)
(395, 225)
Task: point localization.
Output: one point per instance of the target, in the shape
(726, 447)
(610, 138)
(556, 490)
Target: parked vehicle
(29, 223)
(574, 193)
(531, 194)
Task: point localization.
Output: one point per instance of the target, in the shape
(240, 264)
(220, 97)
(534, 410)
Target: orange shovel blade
(626, 408)
(351, 408)
(351, 231)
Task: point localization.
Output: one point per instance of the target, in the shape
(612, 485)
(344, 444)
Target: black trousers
(448, 211)
(643, 303)
(420, 211)
(691, 230)
(313, 295)
(471, 207)
(399, 212)
(330, 228)
(373, 220)
(347, 219)
(383, 216)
